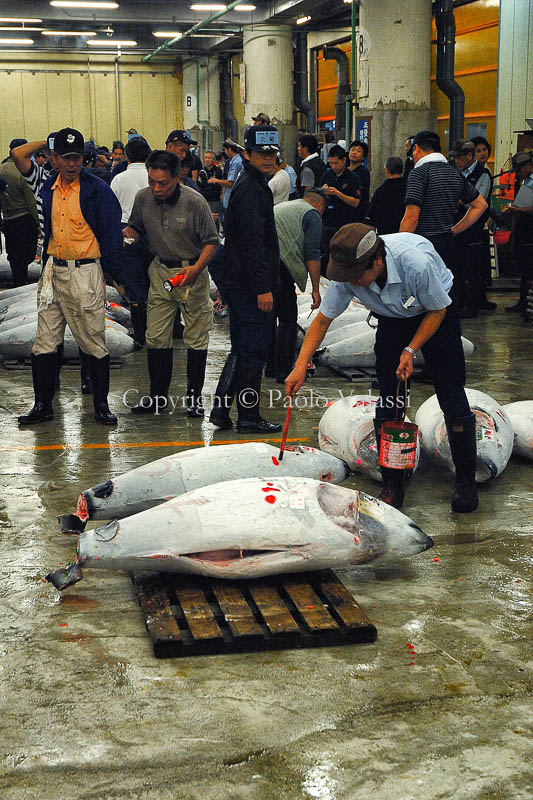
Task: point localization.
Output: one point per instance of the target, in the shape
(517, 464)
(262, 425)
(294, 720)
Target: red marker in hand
(177, 280)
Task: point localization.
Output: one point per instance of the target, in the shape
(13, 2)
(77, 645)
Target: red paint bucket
(501, 237)
(397, 448)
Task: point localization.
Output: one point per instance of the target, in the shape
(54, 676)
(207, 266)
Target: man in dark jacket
(387, 206)
(251, 275)
(312, 168)
(82, 240)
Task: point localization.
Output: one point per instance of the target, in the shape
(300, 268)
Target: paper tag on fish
(297, 501)
(371, 509)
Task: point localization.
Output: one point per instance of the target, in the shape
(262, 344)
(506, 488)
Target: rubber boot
(138, 322)
(469, 310)
(196, 361)
(286, 348)
(19, 273)
(224, 394)
(248, 388)
(99, 368)
(160, 372)
(483, 302)
(462, 438)
(392, 492)
(44, 371)
(520, 306)
(59, 364)
(85, 373)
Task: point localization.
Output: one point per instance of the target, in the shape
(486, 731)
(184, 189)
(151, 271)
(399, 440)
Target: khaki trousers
(194, 303)
(79, 302)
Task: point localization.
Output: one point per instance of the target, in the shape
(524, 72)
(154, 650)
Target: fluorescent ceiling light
(16, 41)
(18, 19)
(81, 4)
(244, 7)
(68, 33)
(18, 28)
(207, 7)
(302, 20)
(111, 43)
(206, 35)
(167, 34)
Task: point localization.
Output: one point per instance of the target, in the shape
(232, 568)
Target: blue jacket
(101, 211)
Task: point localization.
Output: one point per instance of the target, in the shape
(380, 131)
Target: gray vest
(289, 218)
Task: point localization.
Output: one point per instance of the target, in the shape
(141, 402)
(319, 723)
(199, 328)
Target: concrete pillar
(515, 77)
(268, 66)
(201, 101)
(394, 70)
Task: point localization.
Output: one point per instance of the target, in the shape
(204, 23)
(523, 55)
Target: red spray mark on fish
(275, 461)
(270, 488)
(270, 498)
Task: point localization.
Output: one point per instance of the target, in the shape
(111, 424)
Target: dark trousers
(443, 354)
(134, 262)
(250, 329)
(444, 244)
(285, 303)
(21, 246)
(216, 270)
(468, 281)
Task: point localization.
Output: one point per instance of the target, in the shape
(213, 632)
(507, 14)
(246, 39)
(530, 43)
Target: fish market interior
(266, 427)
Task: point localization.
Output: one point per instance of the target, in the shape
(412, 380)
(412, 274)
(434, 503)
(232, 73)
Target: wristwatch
(410, 350)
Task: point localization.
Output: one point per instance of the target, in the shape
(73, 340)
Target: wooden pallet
(191, 616)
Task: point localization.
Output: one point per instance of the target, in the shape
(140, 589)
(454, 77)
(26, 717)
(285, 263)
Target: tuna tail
(71, 523)
(66, 577)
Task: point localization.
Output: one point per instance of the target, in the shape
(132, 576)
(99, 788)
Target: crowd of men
(140, 217)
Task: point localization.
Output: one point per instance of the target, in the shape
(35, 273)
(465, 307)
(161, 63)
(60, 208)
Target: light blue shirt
(235, 166)
(528, 181)
(418, 281)
(292, 175)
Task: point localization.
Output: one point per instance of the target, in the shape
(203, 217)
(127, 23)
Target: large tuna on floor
(353, 313)
(494, 434)
(521, 417)
(17, 342)
(346, 430)
(251, 528)
(26, 319)
(168, 477)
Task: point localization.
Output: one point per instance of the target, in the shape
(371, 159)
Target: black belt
(171, 264)
(78, 262)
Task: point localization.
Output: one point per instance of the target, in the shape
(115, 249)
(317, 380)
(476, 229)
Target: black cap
(461, 147)
(180, 136)
(68, 141)
(522, 157)
(262, 139)
(16, 143)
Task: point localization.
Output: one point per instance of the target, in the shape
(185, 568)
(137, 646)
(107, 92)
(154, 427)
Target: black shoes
(103, 415)
(259, 425)
(44, 375)
(160, 372)
(40, 412)
(248, 390)
(225, 394)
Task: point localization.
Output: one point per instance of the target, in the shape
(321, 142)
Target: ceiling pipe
(194, 28)
(343, 98)
(302, 78)
(445, 23)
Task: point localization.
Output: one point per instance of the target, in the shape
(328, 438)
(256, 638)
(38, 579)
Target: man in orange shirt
(82, 237)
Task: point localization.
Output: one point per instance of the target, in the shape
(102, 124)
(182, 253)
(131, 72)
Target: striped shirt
(35, 179)
(436, 187)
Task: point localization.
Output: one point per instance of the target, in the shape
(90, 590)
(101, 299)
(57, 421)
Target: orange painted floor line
(118, 445)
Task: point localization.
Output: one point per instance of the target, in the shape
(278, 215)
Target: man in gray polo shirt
(404, 282)
(183, 236)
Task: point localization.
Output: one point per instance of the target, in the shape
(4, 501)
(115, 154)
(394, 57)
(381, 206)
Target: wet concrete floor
(87, 712)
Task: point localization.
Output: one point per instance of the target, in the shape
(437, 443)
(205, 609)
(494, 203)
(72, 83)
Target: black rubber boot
(286, 348)
(196, 361)
(469, 310)
(224, 394)
(462, 438)
(392, 492)
(99, 368)
(248, 389)
(85, 373)
(59, 364)
(520, 306)
(160, 372)
(138, 322)
(44, 371)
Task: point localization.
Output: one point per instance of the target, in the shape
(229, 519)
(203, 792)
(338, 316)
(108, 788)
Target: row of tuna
(18, 325)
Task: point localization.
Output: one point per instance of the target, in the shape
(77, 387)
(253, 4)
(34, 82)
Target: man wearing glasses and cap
(250, 278)
(179, 142)
(233, 153)
(82, 237)
(521, 211)
(404, 282)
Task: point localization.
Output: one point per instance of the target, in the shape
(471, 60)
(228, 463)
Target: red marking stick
(286, 430)
(177, 280)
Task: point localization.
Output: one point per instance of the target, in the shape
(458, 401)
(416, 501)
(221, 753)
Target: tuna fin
(66, 577)
(71, 523)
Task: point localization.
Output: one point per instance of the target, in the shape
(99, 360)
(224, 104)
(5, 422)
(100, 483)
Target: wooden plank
(278, 619)
(236, 610)
(308, 603)
(158, 616)
(341, 601)
(197, 612)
